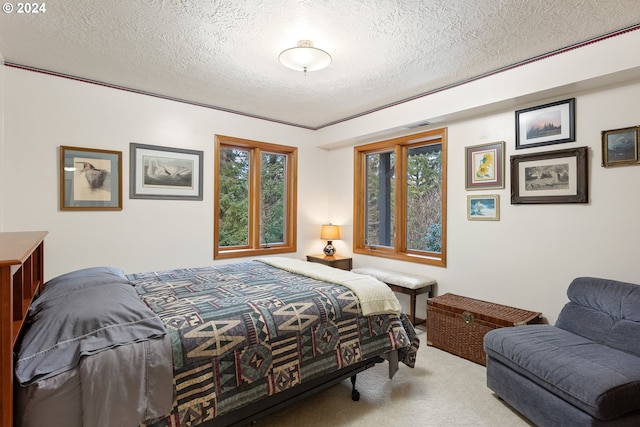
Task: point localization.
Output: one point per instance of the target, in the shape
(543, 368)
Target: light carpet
(442, 390)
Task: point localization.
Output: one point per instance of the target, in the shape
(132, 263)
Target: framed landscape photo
(620, 146)
(90, 179)
(165, 173)
(484, 165)
(546, 124)
(483, 208)
(550, 177)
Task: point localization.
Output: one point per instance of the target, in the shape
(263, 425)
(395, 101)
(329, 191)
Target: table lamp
(329, 233)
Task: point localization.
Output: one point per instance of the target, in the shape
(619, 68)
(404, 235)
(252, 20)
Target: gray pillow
(79, 279)
(79, 314)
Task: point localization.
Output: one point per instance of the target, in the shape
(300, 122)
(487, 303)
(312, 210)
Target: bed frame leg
(355, 394)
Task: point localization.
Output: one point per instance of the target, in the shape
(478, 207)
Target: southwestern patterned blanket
(244, 331)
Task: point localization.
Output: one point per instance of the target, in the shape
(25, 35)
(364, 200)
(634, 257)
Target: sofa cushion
(602, 381)
(605, 311)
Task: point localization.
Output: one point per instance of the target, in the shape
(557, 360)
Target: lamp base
(329, 250)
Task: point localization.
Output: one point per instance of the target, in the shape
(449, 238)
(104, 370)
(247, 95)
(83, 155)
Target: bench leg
(412, 298)
(413, 307)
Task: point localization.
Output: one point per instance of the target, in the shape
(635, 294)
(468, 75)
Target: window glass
(255, 198)
(424, 198)
(400, 198)
(380, 199)
(272, 198)
(233, 220)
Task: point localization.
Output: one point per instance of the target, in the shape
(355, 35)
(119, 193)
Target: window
(255, 198)
(400, 198)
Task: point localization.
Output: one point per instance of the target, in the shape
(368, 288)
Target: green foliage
(234, 195)
(433, 238)
(424, 198)
(380, 173)
(272, 197)
(233, 218)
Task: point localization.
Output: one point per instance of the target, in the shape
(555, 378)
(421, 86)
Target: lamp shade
(330, 232)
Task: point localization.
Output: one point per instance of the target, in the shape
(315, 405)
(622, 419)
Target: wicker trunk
(458, 324)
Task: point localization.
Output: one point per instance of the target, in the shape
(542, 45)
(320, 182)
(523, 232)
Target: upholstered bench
(405, 283)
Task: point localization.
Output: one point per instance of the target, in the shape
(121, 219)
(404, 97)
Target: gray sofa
(585, 370)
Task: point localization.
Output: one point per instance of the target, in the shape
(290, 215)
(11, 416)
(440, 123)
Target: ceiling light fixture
(305, 57)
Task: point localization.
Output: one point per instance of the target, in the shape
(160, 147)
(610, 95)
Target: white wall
(526, 259)
(45, 112)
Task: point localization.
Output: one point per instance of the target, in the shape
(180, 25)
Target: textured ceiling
(224, 53)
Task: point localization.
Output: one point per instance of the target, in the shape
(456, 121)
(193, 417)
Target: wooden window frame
(399, 250)
(255, 247)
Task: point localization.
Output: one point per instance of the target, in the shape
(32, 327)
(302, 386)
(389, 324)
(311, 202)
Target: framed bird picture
(90, 179)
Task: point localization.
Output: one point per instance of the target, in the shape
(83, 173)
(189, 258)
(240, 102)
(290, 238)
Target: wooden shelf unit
(21, 276)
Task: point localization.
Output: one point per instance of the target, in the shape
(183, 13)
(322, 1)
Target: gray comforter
(85, 313)
(102, 392)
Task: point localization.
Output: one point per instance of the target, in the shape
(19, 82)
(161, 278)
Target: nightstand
(336, 261)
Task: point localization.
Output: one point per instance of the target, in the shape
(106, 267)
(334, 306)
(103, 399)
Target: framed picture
(90, 179)
(484, 165)
(546, 124)
(550, 177)
(620, 146)
(165, 173)
(483, 208)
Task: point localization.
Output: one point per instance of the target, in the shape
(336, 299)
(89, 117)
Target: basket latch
(467, 317)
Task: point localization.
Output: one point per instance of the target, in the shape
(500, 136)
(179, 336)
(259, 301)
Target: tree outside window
(400, 198)
(255, 198)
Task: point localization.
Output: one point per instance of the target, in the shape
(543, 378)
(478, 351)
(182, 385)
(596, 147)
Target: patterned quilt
(248, 330)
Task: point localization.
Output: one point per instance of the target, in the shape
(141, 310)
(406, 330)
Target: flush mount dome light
(305, 57)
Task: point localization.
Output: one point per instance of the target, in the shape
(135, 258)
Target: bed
(213, 346)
